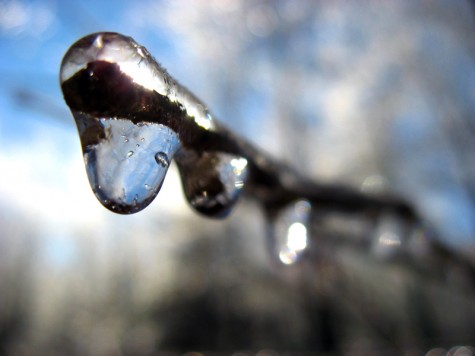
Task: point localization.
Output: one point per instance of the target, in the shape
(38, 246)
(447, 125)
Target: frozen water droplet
(289, 231)
(388, 236)
(162, 159)
(124, 181)
(213, 181)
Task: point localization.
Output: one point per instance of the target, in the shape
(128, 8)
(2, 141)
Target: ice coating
(122, 167)
(110, 73)
(132, 118)
(212, 182)
(289, 232)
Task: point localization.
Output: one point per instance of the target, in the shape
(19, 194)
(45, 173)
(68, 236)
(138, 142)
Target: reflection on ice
(213, 181)
(290, 232)
(389, 239)
(123, 167)
(388, 236)
(133, 60)
(297, 236)
(374, 184)
(132, 118)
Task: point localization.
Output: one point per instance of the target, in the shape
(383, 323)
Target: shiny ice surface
(123, 168)
(388, 236)
(133, 59)
(132, 117)
(213, 182)
(290, 232)
(137, 64)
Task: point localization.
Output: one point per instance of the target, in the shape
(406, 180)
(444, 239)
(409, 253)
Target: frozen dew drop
(213, 181)
(289, 232)
(125, 181)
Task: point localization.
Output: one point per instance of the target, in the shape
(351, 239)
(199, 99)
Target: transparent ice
(289, 232)
(123, 168)
(136, 63)
(132, 118)
(388, 236)
(213, 182)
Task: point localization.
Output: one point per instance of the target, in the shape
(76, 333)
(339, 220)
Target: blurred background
(376, 95)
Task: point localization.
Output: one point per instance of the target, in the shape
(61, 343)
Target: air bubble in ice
(289, 232)
(162, 159)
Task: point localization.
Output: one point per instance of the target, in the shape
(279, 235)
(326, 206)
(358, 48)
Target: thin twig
(101, 88)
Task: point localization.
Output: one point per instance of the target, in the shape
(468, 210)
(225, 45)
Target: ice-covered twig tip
(134, 118)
